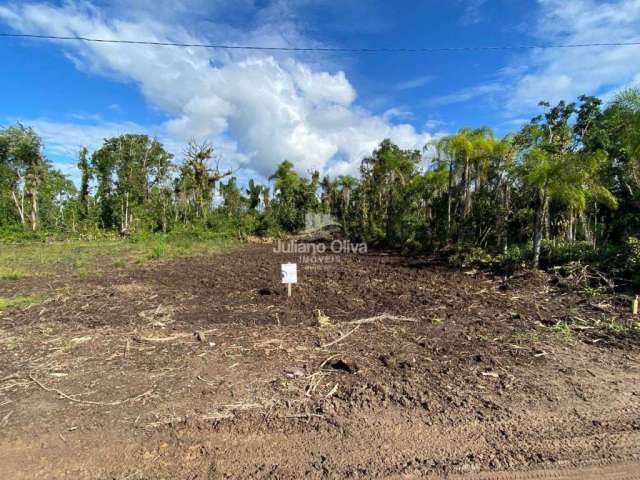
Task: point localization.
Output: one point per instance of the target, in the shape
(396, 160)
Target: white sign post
(289, 275)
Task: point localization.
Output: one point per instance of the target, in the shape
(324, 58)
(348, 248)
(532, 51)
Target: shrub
(632, 252)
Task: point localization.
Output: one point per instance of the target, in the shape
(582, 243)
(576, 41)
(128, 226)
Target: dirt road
(377, 367)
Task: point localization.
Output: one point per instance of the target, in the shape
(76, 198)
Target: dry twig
(88, 402)
(338, 340)
(362, 321)
(138, 338)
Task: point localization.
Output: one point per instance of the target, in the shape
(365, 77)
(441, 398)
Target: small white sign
(289, 273)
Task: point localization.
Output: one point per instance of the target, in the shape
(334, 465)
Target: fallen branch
(342, 337)
(88, 402)
(383, 316)
(178, 336)
(362, 321)
(332, 392)
(208, 382)
(138, 338)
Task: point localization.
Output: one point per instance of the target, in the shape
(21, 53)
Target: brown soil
(410, 370)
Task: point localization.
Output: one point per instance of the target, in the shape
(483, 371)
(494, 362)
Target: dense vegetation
(566, 186)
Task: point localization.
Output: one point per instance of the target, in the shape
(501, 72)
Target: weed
(531, 336)
(563, 330)
(120, 263)
(323, 319)
(11, 275)
(614, 325)
(158, 251)
(593, 292)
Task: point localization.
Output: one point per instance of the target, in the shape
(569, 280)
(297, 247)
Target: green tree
(290, 197)
(85, 177)
(232, 199)
(127, 169)
(386, 179)
(556, 167)
(197, 179)
(254, 191)
(24, 169)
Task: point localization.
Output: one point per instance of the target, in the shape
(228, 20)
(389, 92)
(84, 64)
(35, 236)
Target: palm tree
(346, 183)
(254, 191)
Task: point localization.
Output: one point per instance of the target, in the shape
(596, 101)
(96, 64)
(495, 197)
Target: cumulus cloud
(260, 108)
(556, 74)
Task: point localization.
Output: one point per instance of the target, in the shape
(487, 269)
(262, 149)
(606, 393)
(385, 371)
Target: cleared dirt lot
(410, 369)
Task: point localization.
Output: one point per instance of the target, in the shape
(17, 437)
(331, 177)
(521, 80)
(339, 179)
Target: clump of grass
(563, 330)
(11, 274)
(19, 301)
(120, 263)
(527, 337)
(323, 319)
(593, 292)
(158, 251)
(616, 326)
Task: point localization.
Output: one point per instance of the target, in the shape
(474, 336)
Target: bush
(266, 226)
(559, 252)
(471, 257)
(632, 252)
(515, 258)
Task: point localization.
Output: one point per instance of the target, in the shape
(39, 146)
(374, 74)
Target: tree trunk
(541, 215)
(547, 221)
(586, 228)
(501, 218)
(466, 182)
(569, 234)
(449, 200)
(595, 224)
(19, 205)
(33, 215)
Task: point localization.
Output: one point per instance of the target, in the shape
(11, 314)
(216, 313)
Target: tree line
(570, 174)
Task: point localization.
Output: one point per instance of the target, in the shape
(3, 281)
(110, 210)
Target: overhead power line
(470, 48)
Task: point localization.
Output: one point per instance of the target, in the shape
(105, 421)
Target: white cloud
(433, 123)
(415, 82)
(259, 108)
(63, 141)
(396, 112)
(555, 74)
(472, 11)
(465, 94)
(69, 170)
(66, 139)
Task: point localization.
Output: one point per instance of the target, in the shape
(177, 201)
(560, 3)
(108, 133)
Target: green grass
(616, 326)
(594, 292)
(11, 302)
(563, 330)
(37, 259)
(11, 274)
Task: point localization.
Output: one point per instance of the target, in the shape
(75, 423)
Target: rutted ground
(409, 369)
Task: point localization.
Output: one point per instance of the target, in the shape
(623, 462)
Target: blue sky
(318, 110)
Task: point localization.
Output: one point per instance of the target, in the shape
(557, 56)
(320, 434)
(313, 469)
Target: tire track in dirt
(629, 471)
